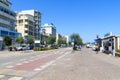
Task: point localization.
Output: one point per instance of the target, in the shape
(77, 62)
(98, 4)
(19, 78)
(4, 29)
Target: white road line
(9, 66)
(16, 78)
(49, 63)
(62, 56)
(1, 76)
(44, 66)
(19, 64)
(37, 69)
(26, 62)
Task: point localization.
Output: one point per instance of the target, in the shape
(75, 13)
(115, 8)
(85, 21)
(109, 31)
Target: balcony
(7, 22)
(26, 34)
(5, 6)
(26, 29)
(8, 16)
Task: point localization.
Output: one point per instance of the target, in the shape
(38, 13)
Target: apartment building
(7, 21)
(29, 21)
(49, 29)
(58, 36)
(25, 25)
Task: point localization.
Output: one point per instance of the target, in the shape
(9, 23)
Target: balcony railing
(8, 16)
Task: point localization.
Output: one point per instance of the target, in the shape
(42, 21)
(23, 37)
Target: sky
(88, 18)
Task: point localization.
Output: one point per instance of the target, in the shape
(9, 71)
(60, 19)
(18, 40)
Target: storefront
(110, 44)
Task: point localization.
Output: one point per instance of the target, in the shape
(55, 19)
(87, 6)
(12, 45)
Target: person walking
(97, 49)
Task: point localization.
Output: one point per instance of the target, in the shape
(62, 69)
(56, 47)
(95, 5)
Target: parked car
(25, 47)
(19, 48)
(88, 46)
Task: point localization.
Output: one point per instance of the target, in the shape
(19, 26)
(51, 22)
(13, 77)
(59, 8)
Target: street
(59, 64)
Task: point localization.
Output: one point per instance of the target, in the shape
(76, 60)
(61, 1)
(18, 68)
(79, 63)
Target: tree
(51, 40)
(19, 40)
(61, 41)
(7, 40)
(77, 39)
(30, 40)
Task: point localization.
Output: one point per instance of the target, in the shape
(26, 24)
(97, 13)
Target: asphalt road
(59, 64)
(24, 65)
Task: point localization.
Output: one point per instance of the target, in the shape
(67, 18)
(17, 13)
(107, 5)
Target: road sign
(72, 39)
(26, 39)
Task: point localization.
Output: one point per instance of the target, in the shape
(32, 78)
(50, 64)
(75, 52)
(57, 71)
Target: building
(29, 21)
(49, 29)
(25, 25)
(67, 39)
(110, 43)
(58, 36)
(7, 21)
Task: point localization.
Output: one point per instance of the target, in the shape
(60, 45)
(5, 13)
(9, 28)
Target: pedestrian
(97, 48)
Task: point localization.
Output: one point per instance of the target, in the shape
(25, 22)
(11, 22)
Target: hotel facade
(7, 21)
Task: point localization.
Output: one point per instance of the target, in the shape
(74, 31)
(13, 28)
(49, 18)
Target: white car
(88, 46)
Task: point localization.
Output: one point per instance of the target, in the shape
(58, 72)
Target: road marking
(19, 64)
(1, 76)
(16, 78)
(49, 63)
(44, 66)
(62, 56)
(37, 69)
(9, 66)
(26, 62)
(4, 70)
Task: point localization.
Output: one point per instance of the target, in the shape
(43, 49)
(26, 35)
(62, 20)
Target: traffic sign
(26, 39)
(72, 39)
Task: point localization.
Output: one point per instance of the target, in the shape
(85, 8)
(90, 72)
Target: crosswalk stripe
(4, 70)
(16, 78)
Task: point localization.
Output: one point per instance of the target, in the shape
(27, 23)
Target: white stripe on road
(26, 62)
(1, 76)
(9, 66)
(16, 78)
(37, 69)
(19, 64)
(49, 63)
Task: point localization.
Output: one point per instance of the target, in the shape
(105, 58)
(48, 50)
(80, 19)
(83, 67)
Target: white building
(67, 39)
(33, 19)
(7, 21)
(25, 25)
(49, 29)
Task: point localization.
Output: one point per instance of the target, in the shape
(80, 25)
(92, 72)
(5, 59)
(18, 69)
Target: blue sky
(85, 17)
